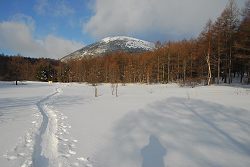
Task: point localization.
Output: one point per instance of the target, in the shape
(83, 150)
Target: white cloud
(55, 8)
(175, 18)
(19, 37)
(59, 47)
(41, 6)
(22, 18)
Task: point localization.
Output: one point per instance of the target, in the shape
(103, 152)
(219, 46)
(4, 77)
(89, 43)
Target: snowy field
(146, 125)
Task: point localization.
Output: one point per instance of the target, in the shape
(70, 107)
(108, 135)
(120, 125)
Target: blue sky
(55, 28)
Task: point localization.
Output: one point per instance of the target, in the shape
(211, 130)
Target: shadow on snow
(194, 131)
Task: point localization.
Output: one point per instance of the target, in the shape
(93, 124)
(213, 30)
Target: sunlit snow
(131, 42)
(64, 124)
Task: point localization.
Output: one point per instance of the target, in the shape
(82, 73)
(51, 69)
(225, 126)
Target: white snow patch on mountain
(109, 39)
(131, 42)
(139, 44)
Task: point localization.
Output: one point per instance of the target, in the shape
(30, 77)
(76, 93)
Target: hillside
(111, 44)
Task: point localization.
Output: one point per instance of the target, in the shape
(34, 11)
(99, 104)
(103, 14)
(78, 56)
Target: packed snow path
(45, 148)
(54, 144)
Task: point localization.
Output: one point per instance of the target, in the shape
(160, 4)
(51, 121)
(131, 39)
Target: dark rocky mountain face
(111, 44)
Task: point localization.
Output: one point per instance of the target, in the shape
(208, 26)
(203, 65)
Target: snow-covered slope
(111, 44)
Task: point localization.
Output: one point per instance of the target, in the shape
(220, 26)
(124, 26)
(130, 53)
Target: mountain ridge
(111, 44)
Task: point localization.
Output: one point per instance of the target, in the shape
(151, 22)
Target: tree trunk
(116, 91)
(148, 77)
(163, 77)
(218, 80)
(209, 70)
(168, 66)
(191, 67)
(248, 76)
(184, 70)
(158, 70)
(95, 92)
(178, 72)
(230, 64)
(241, 75)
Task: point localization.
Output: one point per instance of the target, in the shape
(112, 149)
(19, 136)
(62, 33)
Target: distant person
(153, 153)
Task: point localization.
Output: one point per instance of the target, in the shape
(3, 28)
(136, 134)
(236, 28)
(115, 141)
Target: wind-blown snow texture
(164, 125)
(111, 44)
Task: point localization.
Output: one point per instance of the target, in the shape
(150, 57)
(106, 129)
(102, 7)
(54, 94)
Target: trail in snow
(49, 142)
(54, 146)
(45, 148)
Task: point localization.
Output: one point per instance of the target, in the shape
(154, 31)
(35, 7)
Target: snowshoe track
(53, 146)
(48, 143)
(45, 148)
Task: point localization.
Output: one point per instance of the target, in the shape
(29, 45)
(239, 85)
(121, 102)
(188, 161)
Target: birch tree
(206, 39)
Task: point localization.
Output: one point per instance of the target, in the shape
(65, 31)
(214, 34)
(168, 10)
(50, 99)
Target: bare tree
(18, 68)
(230, 18)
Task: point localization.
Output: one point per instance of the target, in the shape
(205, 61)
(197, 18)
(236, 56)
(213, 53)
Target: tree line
(221, 51)
(19, 68)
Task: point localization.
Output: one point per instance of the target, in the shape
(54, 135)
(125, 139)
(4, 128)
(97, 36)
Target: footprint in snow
(72, 152)
(21, 154)
(11, 157)
(84, 162)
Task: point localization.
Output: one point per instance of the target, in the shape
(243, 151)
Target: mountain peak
(111, 44)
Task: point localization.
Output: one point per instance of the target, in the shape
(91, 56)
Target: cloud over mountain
(174, 18)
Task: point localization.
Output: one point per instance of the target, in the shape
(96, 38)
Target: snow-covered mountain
(111, 44)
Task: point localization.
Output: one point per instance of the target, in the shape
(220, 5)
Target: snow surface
(131, 42)
(109, 39)
(165, 125)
